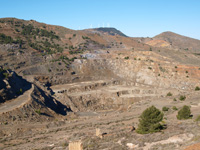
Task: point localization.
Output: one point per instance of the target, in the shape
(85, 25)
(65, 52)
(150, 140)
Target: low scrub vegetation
(184, 113)
(197, 88)
(174, 108)
(9, 40)
(165, 108)
(169, 94)
(182, 97)
(126, 57)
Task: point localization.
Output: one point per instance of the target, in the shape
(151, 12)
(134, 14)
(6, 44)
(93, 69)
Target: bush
(182, 98)
(184, 113)
(149, 121)
(169, 94)
(20, 91)
(38, 111)
(174, 108)
(126, 57)
(197, 88)
(165, 108)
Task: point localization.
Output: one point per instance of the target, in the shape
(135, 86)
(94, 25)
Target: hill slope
(28, 44)
(110, 31)
(179, 41)
(173, 41)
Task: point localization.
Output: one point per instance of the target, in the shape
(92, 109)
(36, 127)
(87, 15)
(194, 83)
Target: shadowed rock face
(11, 85)
(27, 99)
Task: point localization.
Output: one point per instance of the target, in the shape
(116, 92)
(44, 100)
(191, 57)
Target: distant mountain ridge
(50, 39)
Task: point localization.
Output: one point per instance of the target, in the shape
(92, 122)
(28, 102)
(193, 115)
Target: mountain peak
(178, 41)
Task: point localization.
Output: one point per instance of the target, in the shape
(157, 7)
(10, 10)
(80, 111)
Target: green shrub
(149, 121)
(20, 91)
(85, 37)
(169, 94)
(197, 88)
(184, 113)
(165, 108)
(38, 111)
(126, 57)
(182, 97)
(174, 108)
(174, 99)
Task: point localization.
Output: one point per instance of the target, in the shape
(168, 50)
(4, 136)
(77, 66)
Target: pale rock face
(131, 145)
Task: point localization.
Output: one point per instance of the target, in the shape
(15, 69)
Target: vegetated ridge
(110, 31)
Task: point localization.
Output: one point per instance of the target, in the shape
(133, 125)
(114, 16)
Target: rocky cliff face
(142, 67)
(11, 85)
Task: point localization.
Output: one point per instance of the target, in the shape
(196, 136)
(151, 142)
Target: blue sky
(136, 18)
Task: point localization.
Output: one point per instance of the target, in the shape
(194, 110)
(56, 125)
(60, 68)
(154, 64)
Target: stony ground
(113, 105)
(117, 125)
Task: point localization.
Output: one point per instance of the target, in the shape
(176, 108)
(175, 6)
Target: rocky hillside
(173, 41)
(28, 44)
(109, 31)
(179, 41)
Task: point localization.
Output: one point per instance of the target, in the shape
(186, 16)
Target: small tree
(184, 113)
(149, 121)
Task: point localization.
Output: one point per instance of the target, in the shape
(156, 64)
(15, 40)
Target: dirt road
(15, 103)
